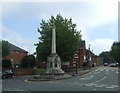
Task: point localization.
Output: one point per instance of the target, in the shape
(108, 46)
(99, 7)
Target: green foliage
(29, 61)
(107, 58)
(115, 51)
(40, 70)
(67, 38)
(5, 48)
(6, 63)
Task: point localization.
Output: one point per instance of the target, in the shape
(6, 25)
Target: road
(101, 79)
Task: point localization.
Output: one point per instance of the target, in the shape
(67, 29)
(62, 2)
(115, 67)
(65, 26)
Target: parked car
(7, 74)
(113, 65)
(105, 64)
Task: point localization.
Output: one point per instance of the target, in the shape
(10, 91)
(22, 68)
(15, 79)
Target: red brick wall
(17, 57)
(40, 64)
(22, 71)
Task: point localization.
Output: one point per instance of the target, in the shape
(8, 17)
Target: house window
(55, 64)
(84, 57)
(51, 64)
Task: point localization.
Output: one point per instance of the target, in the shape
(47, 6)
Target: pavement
(81, 72)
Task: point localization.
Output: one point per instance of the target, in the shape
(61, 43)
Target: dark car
(7, 74)
(113, 65)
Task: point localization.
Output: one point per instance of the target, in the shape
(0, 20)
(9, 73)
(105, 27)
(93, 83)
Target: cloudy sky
(97, 20)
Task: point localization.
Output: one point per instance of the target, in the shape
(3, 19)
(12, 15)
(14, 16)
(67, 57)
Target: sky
(97, 20)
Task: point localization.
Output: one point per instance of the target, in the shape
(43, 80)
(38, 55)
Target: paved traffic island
(50, 77)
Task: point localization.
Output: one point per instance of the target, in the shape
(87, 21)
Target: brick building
(82, 53)
(94, 59)
(97, 60)
(16, 55)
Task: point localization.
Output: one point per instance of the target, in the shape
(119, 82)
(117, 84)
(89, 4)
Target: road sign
(76, 56)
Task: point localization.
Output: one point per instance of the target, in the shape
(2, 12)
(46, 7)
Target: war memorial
(53, 71)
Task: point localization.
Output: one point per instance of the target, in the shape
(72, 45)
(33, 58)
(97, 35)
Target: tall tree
(29, 61)
(106, 57)
(66, 41)
(5, 48)
(115, 51)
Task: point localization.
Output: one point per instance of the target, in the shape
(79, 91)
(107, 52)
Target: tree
(29, 61)
(115, 51)
(106, 57)
(66, 41)
(5, 48)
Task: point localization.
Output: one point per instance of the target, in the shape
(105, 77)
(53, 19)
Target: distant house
(97, 60)
(81, 55)
(89, 57)
(16, 56)
(94, 59)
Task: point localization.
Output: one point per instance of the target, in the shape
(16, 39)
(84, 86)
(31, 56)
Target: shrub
(40, 70)
(6, 63)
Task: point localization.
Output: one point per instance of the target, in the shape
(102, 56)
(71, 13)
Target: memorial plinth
(54, 65)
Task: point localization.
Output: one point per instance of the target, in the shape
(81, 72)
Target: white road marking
(102, 85)
(117, 72)
(101, 70)
(76, 83)
(91, 84)
(99, 80)
(87, 78)
(116, 86)
(110, 87)
(98, 72)
(90, 73)
(82, 84)
(16, 89)
(107, 70)
(99, 86)
(95, 73)
(54, 82)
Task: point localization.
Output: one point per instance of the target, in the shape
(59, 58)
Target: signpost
(76, 58)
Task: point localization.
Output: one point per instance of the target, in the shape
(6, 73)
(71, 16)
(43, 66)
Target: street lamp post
(76, 67)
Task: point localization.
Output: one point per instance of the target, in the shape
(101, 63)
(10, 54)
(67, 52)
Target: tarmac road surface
(101, 79)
